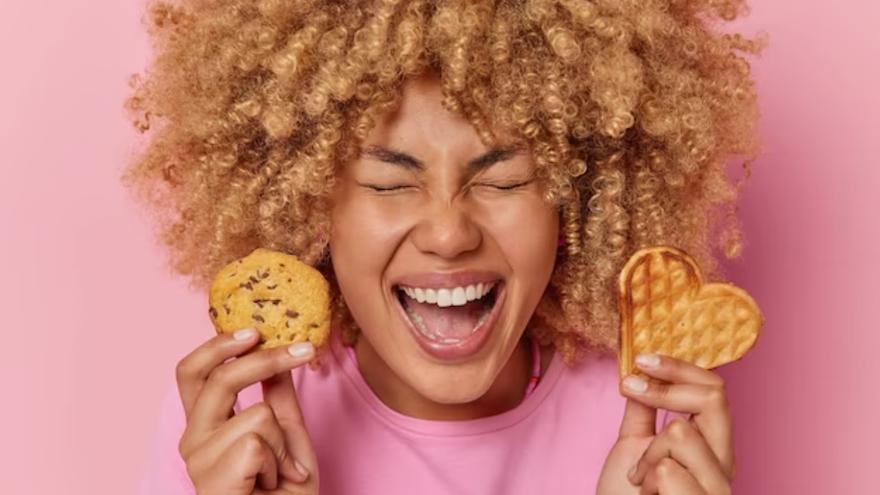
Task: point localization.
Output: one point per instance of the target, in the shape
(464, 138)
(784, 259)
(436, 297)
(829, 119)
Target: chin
(450, 394)
(459, 383)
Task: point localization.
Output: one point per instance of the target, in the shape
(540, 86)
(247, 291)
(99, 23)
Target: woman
(470, 176)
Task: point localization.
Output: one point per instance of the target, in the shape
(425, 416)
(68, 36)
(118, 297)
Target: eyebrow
(396, 157)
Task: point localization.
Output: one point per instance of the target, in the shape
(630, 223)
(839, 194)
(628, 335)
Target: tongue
(450, 322)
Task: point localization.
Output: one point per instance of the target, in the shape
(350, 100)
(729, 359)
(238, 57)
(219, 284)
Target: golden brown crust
(666, 309)
(286, 300)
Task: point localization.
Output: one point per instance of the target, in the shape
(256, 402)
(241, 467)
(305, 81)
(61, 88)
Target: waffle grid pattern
(671, 312)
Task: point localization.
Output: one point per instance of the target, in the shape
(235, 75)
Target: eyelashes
(403, 187)
(510, 187)
(384, 188)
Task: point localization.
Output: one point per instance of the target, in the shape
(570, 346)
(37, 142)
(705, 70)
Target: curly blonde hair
(631, 109)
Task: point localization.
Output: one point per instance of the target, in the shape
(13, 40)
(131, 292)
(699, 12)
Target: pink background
(94, 325)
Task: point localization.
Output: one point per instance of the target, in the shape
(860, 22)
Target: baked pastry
(286, 300)
(666, 309)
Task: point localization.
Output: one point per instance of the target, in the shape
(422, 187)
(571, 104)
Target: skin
(265, 449)
(691, 456)
(442, 219)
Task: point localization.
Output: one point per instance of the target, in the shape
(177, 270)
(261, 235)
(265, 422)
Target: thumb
(639, 420)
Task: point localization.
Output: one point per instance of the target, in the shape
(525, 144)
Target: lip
(436, 280)
(460, 350)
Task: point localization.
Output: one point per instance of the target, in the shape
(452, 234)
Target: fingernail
(648, 360)
(302, 469)
(301, 349)
(244, 334)
(635, 384)
(632, 471)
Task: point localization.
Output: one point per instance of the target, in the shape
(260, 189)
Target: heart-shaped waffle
(666, 309)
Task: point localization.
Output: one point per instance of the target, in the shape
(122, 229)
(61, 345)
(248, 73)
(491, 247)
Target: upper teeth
(453, 296)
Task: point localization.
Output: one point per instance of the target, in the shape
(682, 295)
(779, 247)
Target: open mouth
(449, 316)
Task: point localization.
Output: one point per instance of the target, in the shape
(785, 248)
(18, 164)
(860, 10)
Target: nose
(446, 231)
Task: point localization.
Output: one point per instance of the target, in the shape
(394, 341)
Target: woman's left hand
(689, 456)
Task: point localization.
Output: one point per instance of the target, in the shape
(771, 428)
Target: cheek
(363, 240)
(527, 232)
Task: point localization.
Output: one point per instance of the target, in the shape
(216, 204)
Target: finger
(714, 421)
(280, 394)
(194, 368)
(681, 441)
(287, 488)
(670, 477)
(639, 420)
(258, 418)
(707, 403)
(676, 370)
(681, 397)
(226, 381)
(240, 466)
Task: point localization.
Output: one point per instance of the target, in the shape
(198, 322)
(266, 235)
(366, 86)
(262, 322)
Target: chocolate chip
(226, 308)
(270, 287)
(275, 302)
(265, 274)
(258, 318)
(281, 265)
(246, 285)
(212, 312)
(313, 325)
(291, 314)
(259, 302)
(253, 279)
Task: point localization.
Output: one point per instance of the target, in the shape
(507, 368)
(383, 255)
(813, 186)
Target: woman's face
(442, 247)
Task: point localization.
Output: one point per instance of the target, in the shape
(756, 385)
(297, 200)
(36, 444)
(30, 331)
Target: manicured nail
(635, 384)
(648, 360)
(301, 349)
(244, 334)
(302, 469)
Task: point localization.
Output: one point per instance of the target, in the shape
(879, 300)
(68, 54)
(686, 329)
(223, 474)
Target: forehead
(421, 117)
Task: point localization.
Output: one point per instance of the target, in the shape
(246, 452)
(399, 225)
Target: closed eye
(378, 188)
(506, 187)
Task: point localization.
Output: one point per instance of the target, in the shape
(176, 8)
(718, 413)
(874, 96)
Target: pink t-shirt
(554, 441)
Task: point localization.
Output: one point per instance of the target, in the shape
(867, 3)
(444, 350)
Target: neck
(505, 393)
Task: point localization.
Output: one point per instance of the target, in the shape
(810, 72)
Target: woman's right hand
(257, 450)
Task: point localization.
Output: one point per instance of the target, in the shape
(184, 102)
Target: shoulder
(308, 381)
(593, 374)
(593, 385)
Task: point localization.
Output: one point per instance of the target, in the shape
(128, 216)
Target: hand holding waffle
(687, 456)
(673, 330)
